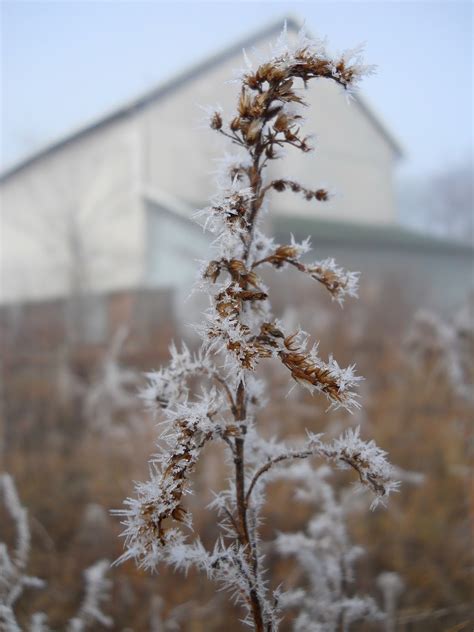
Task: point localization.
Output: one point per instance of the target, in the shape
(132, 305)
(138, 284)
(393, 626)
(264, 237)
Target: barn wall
(72, 219)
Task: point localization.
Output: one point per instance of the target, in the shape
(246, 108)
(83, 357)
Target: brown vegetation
(69, 476)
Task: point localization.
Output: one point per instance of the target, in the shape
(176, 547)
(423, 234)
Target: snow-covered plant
(13, 577)
(445, 349)
(238, 332)
(97, 588)
(111, 395)
(326, 601)
(391, 586)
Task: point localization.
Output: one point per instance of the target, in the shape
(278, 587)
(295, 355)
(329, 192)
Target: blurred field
(73, 461)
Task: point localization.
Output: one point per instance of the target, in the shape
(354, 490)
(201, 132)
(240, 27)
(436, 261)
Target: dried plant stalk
(239, 331)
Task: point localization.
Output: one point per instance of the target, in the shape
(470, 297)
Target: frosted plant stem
(238, 331)
(241, 503)
(242, 498)
(244, 533)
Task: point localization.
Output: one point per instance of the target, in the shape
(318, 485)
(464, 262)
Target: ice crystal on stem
(238, 332)
(366, 458)
(13, 577)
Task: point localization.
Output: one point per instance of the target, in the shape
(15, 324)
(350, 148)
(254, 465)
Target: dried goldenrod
(239, 331)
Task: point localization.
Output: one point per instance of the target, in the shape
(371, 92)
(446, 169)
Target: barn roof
(330, 232)
(367, 235)
(168, 86)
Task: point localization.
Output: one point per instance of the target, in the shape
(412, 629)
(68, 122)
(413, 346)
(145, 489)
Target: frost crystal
(366, 458)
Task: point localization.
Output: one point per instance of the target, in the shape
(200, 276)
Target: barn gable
(168, 87)
(76, 217)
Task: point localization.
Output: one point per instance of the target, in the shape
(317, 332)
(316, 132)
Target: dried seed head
(281, 122)
(216, 121)
(322, 195)
(245, 104)
(253, 131)
(212, 271)
(286, 252)
(235, 124)
(249, 295)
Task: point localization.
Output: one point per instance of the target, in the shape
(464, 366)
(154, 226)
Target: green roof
(368, 235)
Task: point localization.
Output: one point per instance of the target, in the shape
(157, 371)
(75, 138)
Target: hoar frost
(14, 580)
(238, 332)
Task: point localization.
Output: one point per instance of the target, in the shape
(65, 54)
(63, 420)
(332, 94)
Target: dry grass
(61, 467)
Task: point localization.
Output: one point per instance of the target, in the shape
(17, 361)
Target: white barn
(108, 207)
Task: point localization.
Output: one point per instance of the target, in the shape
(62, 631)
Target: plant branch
(227, 391)
(245, 540)
(283, 457)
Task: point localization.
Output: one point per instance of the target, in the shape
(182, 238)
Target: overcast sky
(66, 62)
